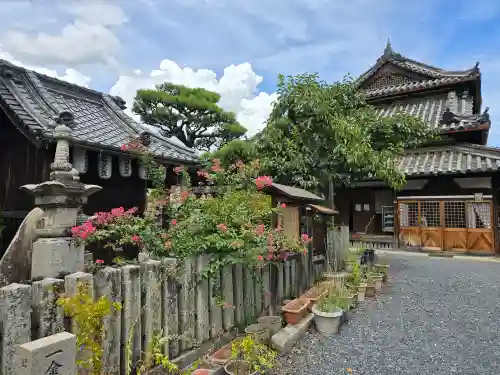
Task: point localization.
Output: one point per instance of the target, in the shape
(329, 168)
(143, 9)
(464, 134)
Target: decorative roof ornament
(120, 102)
(388, 51)
(145, 138)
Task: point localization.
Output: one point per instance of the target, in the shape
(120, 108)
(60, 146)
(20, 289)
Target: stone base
(283, 340)
(52, 257)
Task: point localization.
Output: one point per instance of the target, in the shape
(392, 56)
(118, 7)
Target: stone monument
(55, 252)
(51, 355)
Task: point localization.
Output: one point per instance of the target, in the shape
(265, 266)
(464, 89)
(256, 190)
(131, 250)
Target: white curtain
(482, 210)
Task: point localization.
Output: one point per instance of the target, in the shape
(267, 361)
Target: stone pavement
(437, 316)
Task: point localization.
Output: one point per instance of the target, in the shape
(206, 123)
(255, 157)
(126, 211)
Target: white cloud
(237, 87)
(88, 38)
(69, 75)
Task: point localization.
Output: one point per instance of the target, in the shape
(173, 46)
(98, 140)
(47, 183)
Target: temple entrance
(459, 225)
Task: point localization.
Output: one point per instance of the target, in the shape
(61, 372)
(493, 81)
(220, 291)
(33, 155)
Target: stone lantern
(55, 251)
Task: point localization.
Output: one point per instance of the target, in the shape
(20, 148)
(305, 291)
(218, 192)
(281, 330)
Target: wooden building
(29, 103)
(450, 201)
(303, 214)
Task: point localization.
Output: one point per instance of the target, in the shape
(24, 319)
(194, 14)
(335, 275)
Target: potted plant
(258, 332)
(295, 310)
(383, 269)
(370, 286)
(249, 357)
(361, 291)
(224, 354)
(327, 314)
(272, 322)
(377, 278)
(313, 294)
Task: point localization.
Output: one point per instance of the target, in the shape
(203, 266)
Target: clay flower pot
(327, 323)
(259, 333)
(207, 368)
(239, 368)
(223, 355)
(313, 294)
(361, 292)
(273, 323)
(295, 310)
(378, 282)
(370, 291)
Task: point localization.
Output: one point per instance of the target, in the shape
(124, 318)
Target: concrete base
(52, 257)
(283, 340)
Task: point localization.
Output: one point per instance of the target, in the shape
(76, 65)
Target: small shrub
(87, 315)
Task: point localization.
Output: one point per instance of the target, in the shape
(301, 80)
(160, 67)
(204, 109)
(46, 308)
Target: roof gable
(36, 99)
(395, 73)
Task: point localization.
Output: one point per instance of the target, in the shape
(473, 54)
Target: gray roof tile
(453, 159)
(295, 193)
(36, 99)
(415, 85)
(430, 109)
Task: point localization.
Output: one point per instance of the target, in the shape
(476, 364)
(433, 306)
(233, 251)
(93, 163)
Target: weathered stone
(151, 291)
(15, 265)
(238, 294)
(108, 283)
(283, 340)
(293, 278)
(202, 302)
(51, 355)
(280, 287)
(71, 283)
(187, 308)
(131, 315)
(15, 323)
(249, 296)
(227, 295)
(170, 311)
(53, 256)
(47, 317)
(258, 292)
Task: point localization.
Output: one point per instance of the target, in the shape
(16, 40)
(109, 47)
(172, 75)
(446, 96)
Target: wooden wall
(21, 163)
(117, 191)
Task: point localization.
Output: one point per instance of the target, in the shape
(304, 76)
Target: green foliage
(234, 225)
(191, 115)
(261, 358)
(232, 152)
(87, 315)
(318, 132)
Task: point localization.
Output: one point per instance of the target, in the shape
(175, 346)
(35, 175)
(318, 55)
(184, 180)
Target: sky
(238, 47)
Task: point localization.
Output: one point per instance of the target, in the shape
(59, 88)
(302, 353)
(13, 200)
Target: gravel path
(437, 316)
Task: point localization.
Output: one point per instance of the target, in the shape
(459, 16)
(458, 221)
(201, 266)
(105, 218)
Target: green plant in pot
(249, 357)
(327, 313)
(370, 285)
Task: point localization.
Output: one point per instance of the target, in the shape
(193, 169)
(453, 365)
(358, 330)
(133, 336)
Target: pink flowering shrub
(119, 227)
(235, 224)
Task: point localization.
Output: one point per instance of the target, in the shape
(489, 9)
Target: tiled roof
(453, 159)
(415, 85)
(433, 73)
(295, 193)
(430, 109)
(37, 99)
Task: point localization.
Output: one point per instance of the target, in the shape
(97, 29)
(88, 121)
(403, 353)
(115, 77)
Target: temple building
(29, 105)
(450, 201)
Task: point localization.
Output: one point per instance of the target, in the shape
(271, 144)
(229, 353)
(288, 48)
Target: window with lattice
(385, 80)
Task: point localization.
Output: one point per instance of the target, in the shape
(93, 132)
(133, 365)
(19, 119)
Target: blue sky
(238, 47)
